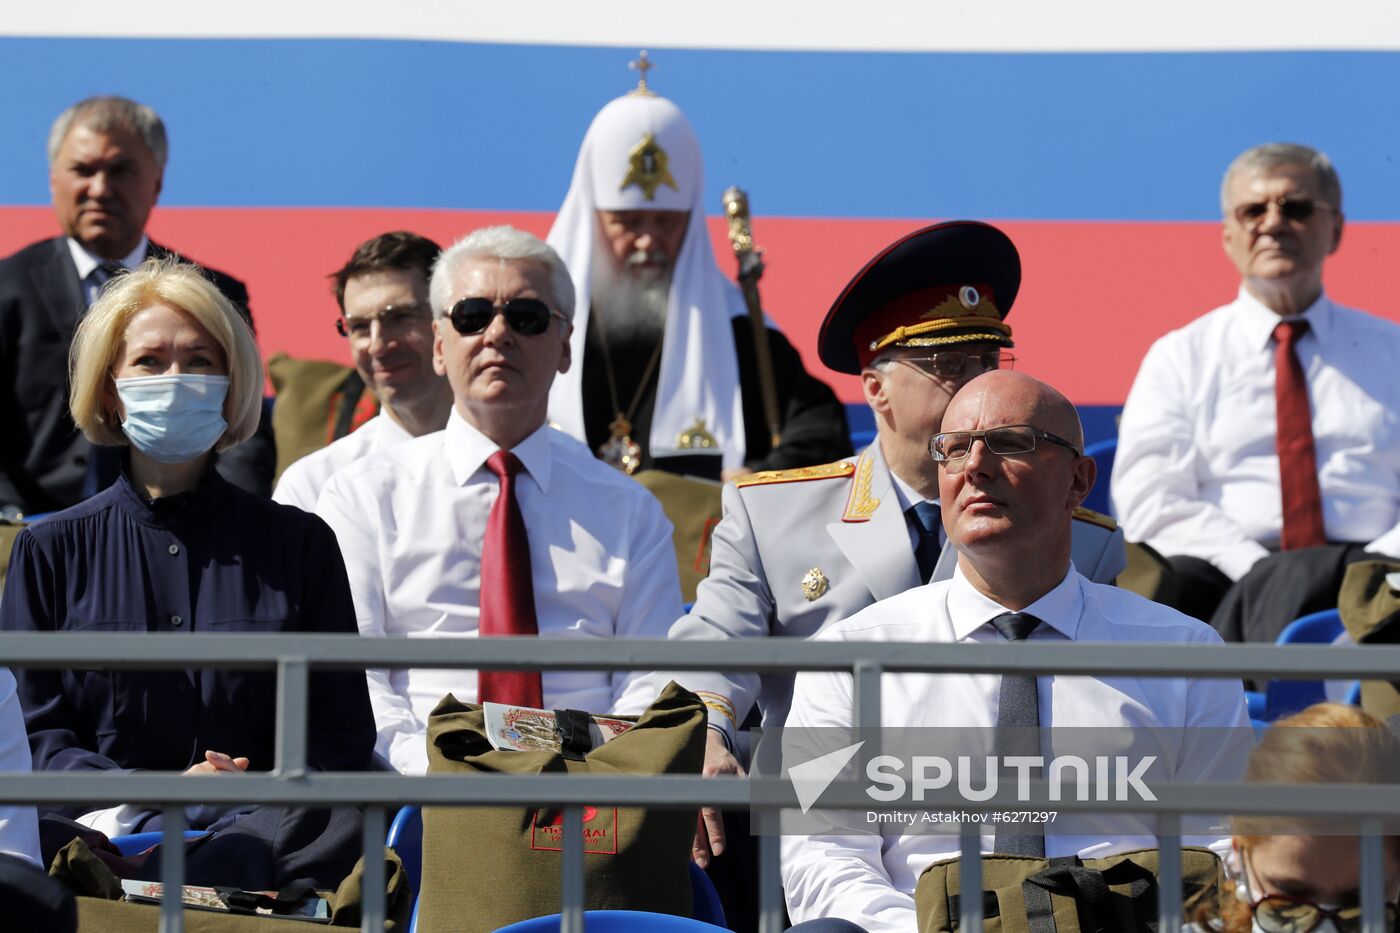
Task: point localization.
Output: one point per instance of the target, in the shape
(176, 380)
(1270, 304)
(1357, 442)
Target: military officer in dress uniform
(800, 549)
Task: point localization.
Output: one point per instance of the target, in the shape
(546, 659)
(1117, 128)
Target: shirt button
(176, 620)
(174, 549)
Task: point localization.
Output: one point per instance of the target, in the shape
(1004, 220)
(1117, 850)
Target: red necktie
(1297, 458)
(507, 588)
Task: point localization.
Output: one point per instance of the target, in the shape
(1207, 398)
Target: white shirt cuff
(1236, 560)
(1387, 545)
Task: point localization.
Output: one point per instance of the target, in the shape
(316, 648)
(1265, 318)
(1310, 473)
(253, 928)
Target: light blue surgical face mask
(173, 419)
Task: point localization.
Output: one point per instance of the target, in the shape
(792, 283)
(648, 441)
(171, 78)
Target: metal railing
(291, 784)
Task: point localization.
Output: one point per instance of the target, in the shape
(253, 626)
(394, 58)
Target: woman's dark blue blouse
(216, 559)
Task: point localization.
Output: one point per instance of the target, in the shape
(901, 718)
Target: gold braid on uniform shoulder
(1095, 518)
(797, 475)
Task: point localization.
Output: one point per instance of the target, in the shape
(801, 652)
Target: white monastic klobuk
(699, 377)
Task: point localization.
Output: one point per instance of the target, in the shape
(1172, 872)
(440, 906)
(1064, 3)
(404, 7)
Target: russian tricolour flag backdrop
(1095, 132)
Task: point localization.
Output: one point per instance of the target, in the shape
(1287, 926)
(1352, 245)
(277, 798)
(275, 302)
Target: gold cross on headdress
(641, 65)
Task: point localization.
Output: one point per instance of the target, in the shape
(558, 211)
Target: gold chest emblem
(648, 168)
(814, 584)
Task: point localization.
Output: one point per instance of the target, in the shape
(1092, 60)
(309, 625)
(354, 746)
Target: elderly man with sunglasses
(1259, 448)
(500, 524)
(800, 549)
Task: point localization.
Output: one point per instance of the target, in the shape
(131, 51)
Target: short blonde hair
(103, 329)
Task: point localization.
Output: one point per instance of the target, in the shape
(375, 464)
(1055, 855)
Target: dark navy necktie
(925, 519)
(100, 275)
(1018, 732)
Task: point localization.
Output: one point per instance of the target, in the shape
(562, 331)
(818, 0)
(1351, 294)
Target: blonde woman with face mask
(165, 367)
(1285, 876)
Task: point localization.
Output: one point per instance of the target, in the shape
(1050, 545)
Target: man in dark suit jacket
(106, 164)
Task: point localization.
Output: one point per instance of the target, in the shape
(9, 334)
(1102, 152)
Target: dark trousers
(269, 848)
(257, 849)
(1282, 587)
(1278, 589)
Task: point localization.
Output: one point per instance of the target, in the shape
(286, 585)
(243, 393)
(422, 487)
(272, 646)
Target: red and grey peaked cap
(948, 284)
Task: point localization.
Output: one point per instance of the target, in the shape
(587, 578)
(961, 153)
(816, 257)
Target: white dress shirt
(19, 827)
(1196, 472)
(301, 482)
(869, 879)
(411, 521)
(86, 263)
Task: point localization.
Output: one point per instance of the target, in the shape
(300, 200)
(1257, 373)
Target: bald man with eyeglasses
(1259, 449)
(1011, 474)
(800, 549)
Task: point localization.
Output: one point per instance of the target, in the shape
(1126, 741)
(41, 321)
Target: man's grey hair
(104, 114)
(1271, 156)
(508, 245)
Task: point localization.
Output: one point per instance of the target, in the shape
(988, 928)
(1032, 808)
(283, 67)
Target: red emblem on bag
(599, 831)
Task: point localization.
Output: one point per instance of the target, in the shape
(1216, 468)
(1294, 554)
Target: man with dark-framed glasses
(1258, 446)
(385, 318)
(499, 524)
(951, 448)
(800, 549)
(1011, 472)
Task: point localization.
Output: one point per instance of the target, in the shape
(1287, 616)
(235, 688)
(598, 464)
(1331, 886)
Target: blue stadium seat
(405, 837)
(705, 905)
(861, 421)
(614, 921)
(1103, 453)
(1291, 696)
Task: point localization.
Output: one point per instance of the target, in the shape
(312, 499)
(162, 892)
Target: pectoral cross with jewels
(641, 65)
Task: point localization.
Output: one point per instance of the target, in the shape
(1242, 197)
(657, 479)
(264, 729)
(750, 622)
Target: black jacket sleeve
(813, 421)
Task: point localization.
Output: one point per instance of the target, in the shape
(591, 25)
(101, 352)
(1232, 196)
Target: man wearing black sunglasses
(1257, 448)
(499, 524)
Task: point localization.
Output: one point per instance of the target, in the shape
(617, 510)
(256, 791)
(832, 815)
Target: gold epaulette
(1095, 518)
(798, 474)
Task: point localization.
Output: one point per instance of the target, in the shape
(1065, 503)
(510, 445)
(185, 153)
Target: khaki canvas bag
(101, 909)
(1370, 609)
(1115, 894)
(694, 508)
(317, 402)
(485, 867)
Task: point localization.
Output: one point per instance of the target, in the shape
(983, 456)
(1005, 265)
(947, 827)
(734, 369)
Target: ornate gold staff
(736, 208)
